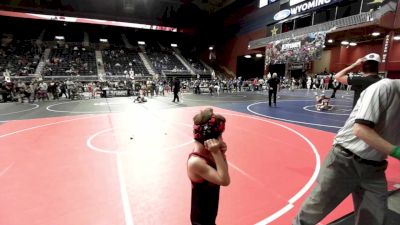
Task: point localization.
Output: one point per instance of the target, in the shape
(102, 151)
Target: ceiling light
(396, 38)
(247, 56)
(174, 45)
(330, 41)
(345, 43)
(211, 48)
(59, 37)
(141, 42)
(103, 40)
(375, 34)
(353, 44)
(259, 55)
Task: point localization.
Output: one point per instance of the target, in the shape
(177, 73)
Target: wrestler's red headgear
(211, 129)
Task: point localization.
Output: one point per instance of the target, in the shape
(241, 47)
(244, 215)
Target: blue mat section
(299, 111)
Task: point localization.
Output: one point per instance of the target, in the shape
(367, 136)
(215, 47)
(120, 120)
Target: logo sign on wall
(385, 48)
(291, 46)
(301, 6)
(296, 66)
(274, 30)
(283, 14)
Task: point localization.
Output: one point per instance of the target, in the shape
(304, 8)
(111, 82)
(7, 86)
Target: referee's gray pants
(340, 176)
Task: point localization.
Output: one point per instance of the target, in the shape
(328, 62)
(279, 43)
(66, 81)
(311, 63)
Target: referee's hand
(358, 62)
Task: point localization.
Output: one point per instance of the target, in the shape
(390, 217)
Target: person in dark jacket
(273, 84)
(176, 89)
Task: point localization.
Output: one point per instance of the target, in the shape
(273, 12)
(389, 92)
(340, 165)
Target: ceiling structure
(141, 11)
(207, 5)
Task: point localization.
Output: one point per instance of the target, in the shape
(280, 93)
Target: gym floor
(115, 162)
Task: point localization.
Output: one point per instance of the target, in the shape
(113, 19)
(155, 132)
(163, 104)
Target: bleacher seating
(20, 58)
(196, 64)
(164, 59)
(71, 60)
(121, 61)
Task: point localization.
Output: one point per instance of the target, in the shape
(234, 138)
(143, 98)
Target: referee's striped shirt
(378, 107)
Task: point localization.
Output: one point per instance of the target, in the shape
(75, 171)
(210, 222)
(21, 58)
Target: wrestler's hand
(212, 145)
(223, 147)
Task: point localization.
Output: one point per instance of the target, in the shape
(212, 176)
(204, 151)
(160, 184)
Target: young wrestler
(322, 102)
(207, 166)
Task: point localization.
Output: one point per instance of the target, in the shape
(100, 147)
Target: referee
(273, 84)
(357, 162)
(176, 89)
(370, 68)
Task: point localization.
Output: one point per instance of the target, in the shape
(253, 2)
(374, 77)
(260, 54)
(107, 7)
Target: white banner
(290, 46)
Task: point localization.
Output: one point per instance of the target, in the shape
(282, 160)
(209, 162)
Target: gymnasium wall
(320, 65)
(343, 56)
(393, 65)
(237, 46)
(249, 23)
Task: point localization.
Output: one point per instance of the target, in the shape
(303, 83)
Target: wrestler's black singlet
(205, 198)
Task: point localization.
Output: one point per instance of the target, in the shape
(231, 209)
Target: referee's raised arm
(369, 75)
(342, 76)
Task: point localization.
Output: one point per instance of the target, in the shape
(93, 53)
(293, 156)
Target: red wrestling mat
(131, 169)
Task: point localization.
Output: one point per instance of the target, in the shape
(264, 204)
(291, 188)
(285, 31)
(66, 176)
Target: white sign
(295, 2)
(300, 6)
(263, 3)
(293, 45)
(385, 48)
(296, 66)
(308, 5)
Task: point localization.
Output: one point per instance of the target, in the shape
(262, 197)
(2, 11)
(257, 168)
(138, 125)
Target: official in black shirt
(273, 83)
(370, 68)
(176, 89)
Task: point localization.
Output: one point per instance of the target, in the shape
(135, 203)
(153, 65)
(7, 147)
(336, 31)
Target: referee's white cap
(372, 57)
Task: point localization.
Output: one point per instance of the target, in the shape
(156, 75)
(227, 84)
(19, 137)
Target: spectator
(176, 89)
(326, 82)
(336, 86)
